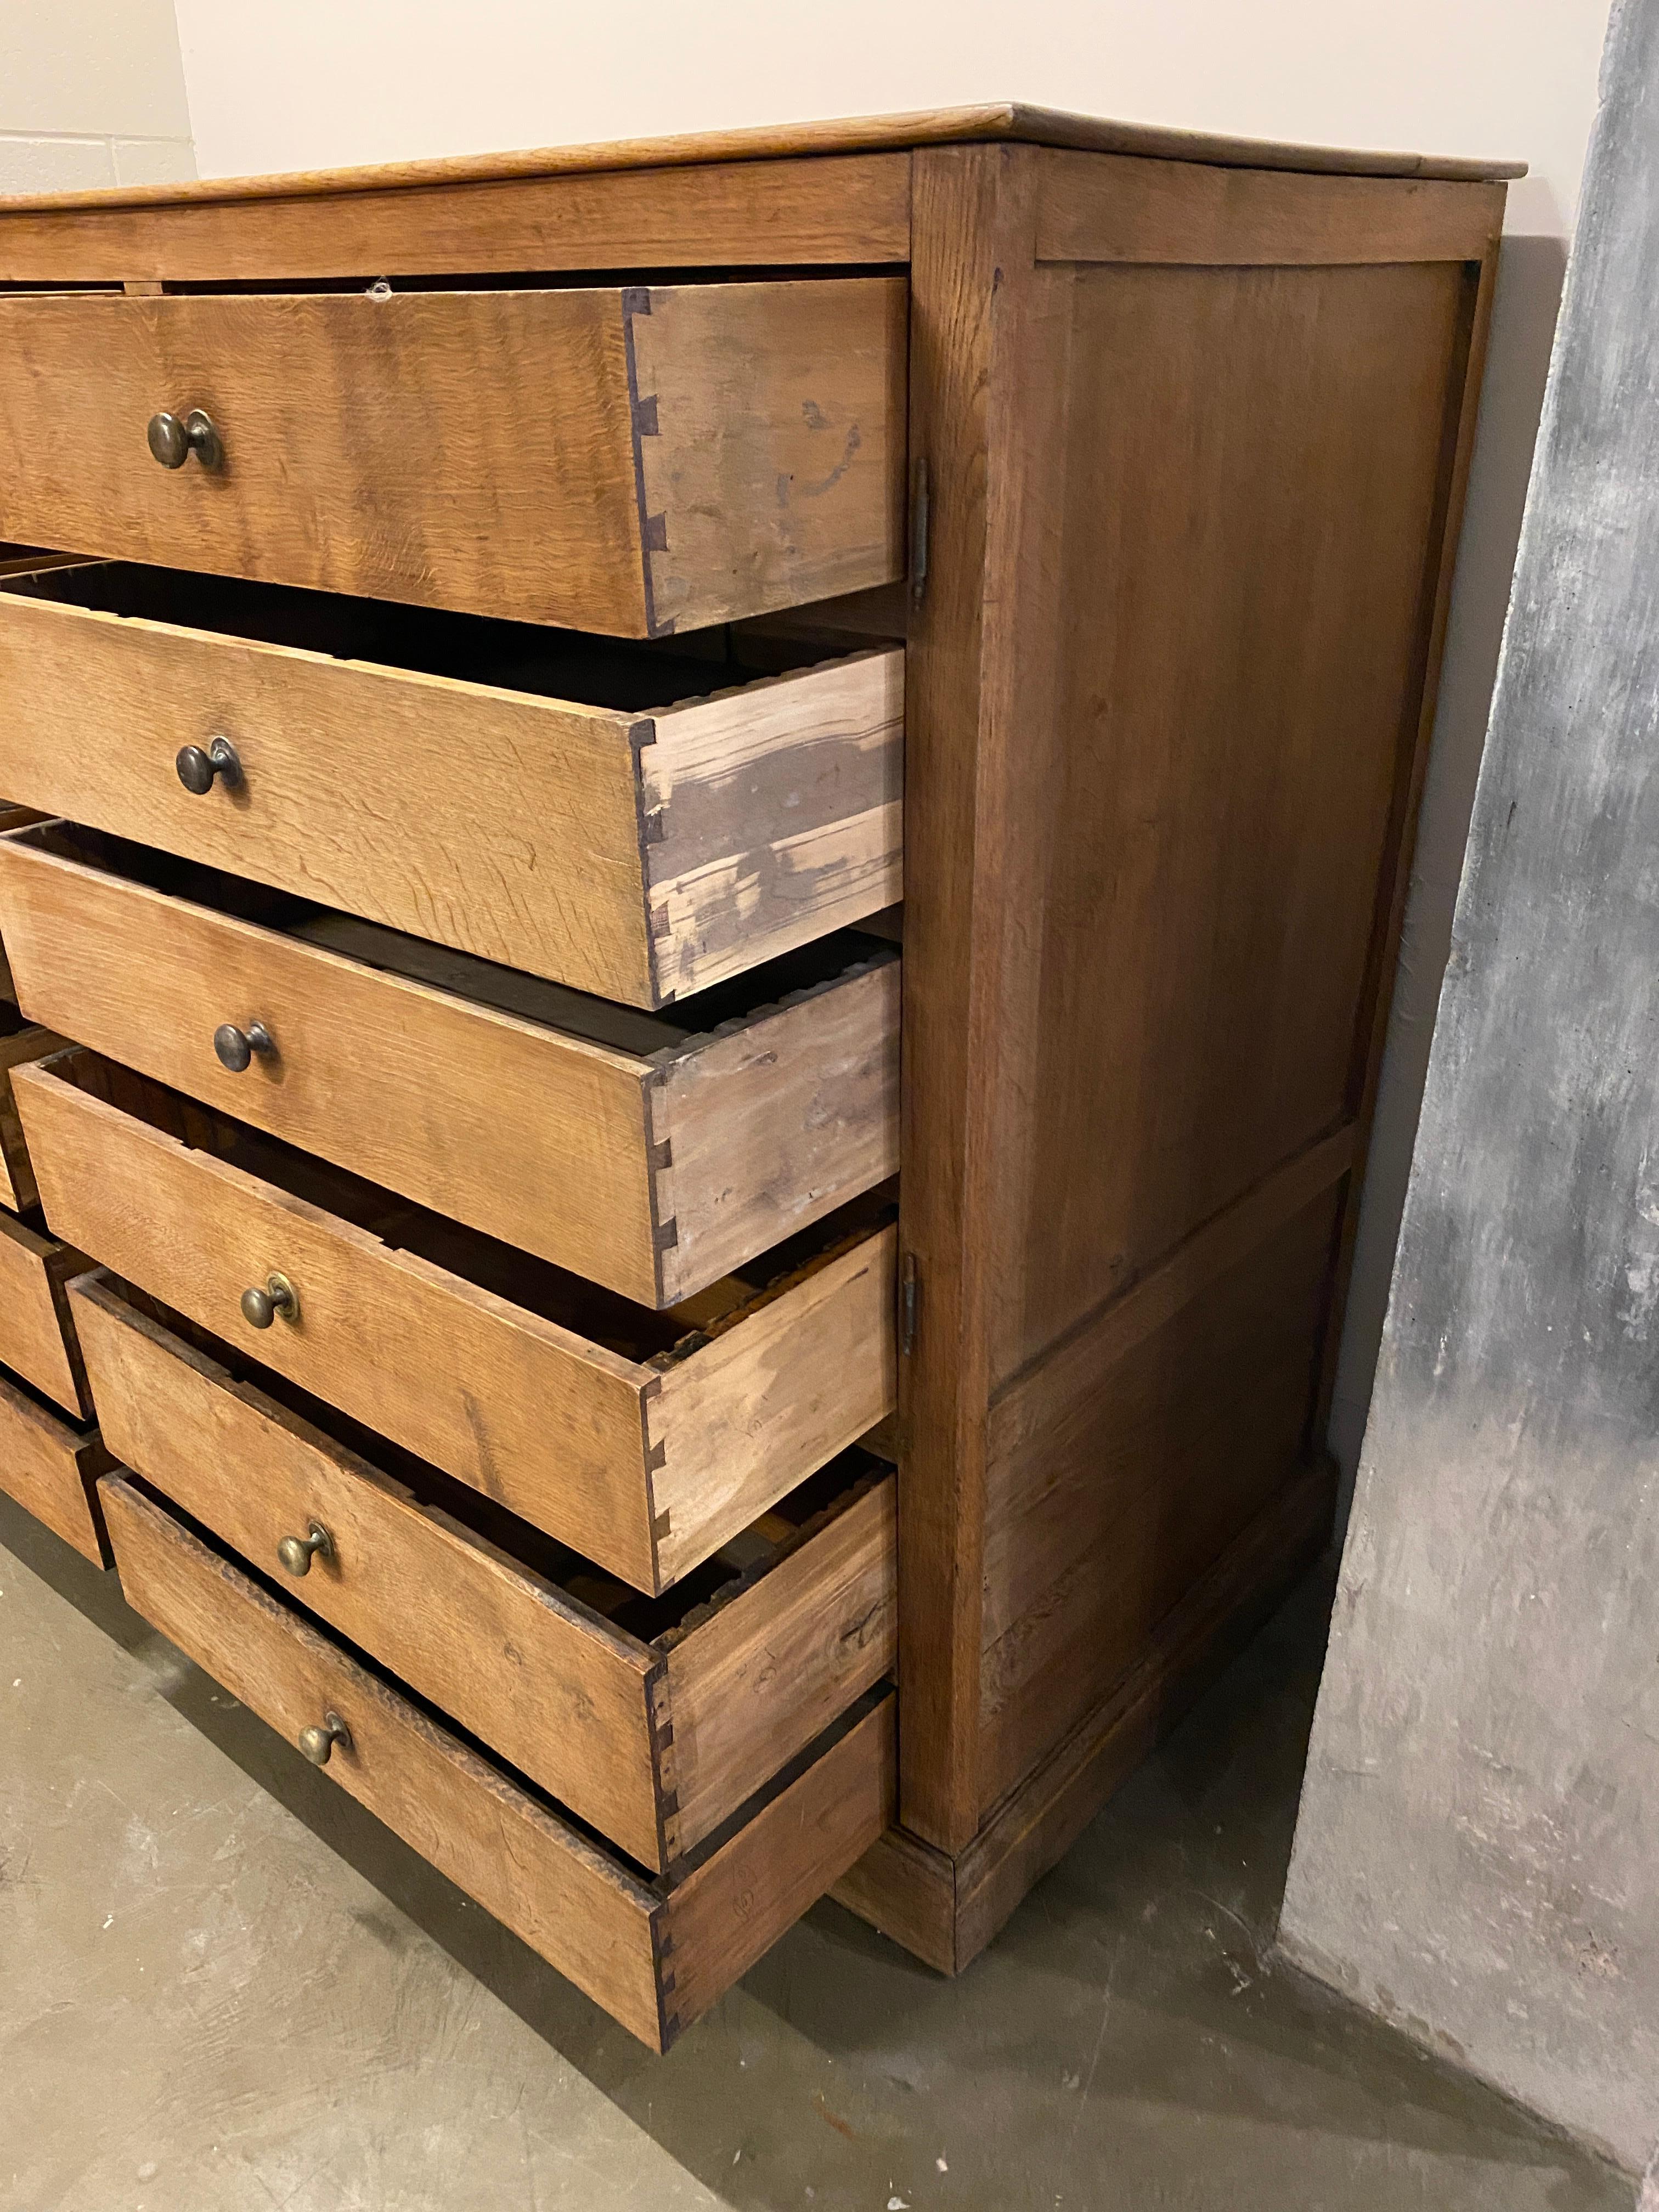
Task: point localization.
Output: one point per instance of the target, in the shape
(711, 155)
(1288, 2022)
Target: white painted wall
(314, 83)
(92, 92)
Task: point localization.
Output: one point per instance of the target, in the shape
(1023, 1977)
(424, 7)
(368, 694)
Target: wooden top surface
(1039, 126)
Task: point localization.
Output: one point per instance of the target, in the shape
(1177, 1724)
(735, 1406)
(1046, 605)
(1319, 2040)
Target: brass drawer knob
(236, 1048)
(172, 442)
(261, 1307)
(197, 770)
(316, 1743)
(297, 1552)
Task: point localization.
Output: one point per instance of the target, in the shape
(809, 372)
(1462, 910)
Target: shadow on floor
(1129, 2041)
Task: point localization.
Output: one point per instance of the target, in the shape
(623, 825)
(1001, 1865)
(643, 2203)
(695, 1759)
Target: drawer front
(37, 1334)
(51, 1467)
(641, 857)
(555, 1145)
(550, 1687)
(645, 1463)
(587, 1709)
(627, 460)
(654, 1961)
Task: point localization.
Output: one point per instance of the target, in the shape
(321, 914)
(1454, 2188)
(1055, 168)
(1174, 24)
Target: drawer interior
(625, 676)
(643, 1034)
(660, 1337)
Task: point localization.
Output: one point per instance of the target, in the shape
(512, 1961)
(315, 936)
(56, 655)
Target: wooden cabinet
(709, 841)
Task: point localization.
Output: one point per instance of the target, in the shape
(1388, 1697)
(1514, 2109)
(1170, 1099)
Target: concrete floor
(222, 1987)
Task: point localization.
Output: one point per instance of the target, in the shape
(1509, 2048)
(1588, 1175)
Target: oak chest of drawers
(706, 845)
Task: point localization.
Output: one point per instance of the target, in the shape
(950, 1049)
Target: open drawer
(651, 1153)
(36, 1335)
(654, 1719)
(20, 1042)
(631, 459)
(578, 808)
(51, 1467)
(644, 1439)
(654, 1953)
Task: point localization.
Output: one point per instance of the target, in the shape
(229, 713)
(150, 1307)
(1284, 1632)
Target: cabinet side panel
(1110, 1493)
(1236, 538)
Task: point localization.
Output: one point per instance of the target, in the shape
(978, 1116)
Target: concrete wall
(92, 92)
(1476, 1855)
(311, 84)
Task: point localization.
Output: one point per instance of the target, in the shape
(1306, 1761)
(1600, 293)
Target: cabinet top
(1004, 119)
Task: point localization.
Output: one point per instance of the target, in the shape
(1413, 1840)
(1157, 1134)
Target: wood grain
(590, 1917)
(851, 208)
(780, 1390)
(771, 1123)
(945, 1910)
(522, 1410)
(1026, 1400)
(25, 1045)
(1037, 1823)
(772, 1668)
(908, 1889)
(645, 1461)
(1105, 208)
(528, 1134)
(1105, 1503)
(560, 1693)
(770, 443)
(973, 212)
(37, 1333)
(777, 815)
(1227, 882)
(775, 804)
(532, 1134)
(402, 447)
(1001, 119)
(51, 1466)
(360, 785)
(1200, 803)
(657, 1741)
(478, 450)
(729, 1911)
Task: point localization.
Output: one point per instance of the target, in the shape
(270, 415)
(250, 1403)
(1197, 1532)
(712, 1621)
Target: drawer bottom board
(655, 1953)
